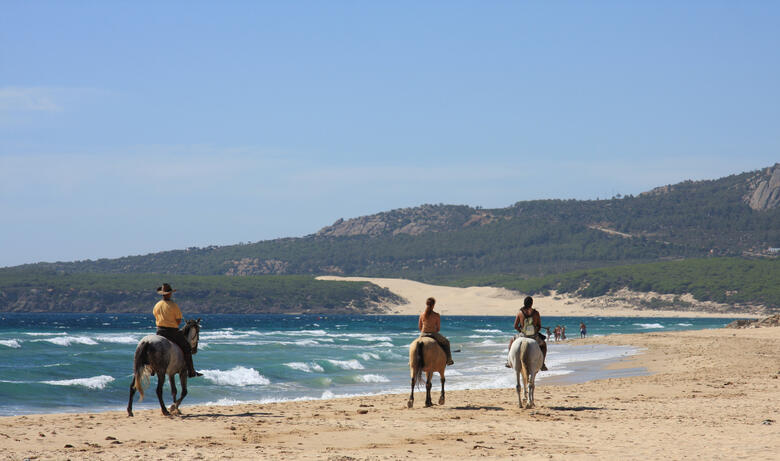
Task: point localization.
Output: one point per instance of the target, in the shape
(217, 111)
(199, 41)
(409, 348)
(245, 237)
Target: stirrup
(194, 374)
(508, 365)
(544, 367)
(450, 362)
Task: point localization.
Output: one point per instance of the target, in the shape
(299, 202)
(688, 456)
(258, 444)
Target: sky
(134, 127)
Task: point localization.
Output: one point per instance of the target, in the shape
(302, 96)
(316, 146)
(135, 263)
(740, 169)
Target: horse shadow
(479, 407)
(249, 414)
(580, 408)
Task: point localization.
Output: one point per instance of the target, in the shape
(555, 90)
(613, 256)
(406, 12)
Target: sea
(59, 363)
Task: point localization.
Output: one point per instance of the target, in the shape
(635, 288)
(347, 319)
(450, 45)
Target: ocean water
(52, 363)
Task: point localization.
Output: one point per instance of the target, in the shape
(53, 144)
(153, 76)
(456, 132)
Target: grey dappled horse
(156, 355)
(526, 359)
(425, 354)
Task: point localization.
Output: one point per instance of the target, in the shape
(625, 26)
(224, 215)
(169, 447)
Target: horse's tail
(524, 356)
(419, 362)
(140, 373)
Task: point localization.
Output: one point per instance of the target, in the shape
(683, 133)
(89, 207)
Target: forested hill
(733, 216)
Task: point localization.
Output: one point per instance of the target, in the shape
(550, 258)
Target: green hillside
(691, 219)
(599, 243)
(47, 291)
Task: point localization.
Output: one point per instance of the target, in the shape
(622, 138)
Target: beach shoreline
(695, 401)
(492, 301)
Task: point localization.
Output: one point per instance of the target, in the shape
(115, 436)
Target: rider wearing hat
(168, 317)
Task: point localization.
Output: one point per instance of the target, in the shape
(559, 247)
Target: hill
(734, 216)
(47, 291)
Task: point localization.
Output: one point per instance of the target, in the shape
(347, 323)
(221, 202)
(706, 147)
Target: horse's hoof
(428, 404)
(410, 404)
(129, 414)
(441, 401)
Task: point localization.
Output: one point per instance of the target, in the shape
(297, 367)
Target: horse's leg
(441, 397)
(428, 384)
(525, 387)
(173, 408)
(519, 390)
(410, 403)
(160, 382)
(183, 379)
(130, 401)
(531, 386)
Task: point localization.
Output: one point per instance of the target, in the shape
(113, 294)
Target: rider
(168, 316)
(430, 324)
(528, 322)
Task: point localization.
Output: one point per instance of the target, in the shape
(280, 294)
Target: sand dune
(499, 301)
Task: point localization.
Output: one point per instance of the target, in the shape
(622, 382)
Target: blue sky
(133, 127)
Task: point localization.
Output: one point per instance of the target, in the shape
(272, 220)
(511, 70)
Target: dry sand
(499, 301)
(711, 394)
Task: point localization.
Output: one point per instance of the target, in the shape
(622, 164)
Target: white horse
(526, 359)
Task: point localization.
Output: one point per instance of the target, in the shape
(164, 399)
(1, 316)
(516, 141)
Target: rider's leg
(543, 347)
(443, 342)
(177, 337)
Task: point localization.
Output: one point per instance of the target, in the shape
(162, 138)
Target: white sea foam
(307, 367)
(117, 339)
(369, 355)
(685, 324)
(68, 340)
(371, 379)
(95, 382)
(237, 376)
(649, 325)
(12, 343)
(347, 364)
(488, 331)
(45, 334)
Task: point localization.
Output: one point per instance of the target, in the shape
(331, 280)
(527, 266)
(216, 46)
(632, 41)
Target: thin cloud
(17, 99)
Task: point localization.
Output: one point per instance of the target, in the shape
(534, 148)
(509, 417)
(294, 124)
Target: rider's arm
(538, 321)
(518, 318)
(437, 323)
(419, 323)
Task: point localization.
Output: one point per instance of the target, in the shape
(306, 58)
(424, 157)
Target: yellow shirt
(167, 314)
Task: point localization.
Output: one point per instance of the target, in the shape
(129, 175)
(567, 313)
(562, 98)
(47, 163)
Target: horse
(157, 355)
(526, 358)
(425, 354)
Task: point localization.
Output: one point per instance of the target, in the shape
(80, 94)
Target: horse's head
(191, 331)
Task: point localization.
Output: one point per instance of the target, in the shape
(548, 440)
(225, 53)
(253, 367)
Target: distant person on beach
(557, 333)
(168, 316)
(430, 324)
(529, 323)
(583, 330)
(563, 333)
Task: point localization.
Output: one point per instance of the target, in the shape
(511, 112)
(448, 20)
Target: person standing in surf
(529, 323)
(430, 324)
(167, 316)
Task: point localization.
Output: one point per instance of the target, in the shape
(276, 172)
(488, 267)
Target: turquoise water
(83, 362)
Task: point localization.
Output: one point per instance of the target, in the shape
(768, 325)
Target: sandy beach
(707, 394)
(503, 302)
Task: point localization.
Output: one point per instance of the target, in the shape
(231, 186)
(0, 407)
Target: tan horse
(426, 355)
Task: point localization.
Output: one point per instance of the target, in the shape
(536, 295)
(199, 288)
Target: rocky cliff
(764, 189)
(411, 221)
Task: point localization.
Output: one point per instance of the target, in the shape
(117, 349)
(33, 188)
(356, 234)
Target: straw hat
(165, 289)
